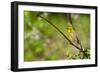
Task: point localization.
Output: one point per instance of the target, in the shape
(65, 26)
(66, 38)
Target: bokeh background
(43, 42)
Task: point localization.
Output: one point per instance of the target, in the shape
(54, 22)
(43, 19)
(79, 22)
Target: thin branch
(69, 17)
(61, 33)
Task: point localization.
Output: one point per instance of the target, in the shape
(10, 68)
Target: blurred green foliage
(43, 42)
